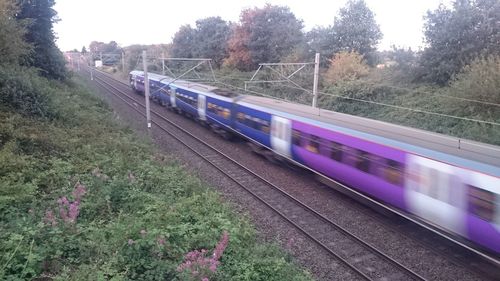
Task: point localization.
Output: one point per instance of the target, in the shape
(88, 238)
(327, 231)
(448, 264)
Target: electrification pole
(163, 63)
(146, 88)
(315, 83)
(123, 63)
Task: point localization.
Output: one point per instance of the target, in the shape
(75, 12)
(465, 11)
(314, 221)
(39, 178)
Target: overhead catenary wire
(377, 103)
(415, 110)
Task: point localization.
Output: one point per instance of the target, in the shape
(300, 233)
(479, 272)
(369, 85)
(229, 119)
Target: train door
(202, 105)
(172, 95)
(435, 193)
(281, 130)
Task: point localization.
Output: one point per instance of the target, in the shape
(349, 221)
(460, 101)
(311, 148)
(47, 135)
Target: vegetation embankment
(82, 198)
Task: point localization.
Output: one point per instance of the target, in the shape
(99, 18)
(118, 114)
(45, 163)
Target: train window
(336, 150)
(313, 144)
(240, 117)
(394, 172)
(296, 137)
(482, 203)
(225, 113)
(363, 161)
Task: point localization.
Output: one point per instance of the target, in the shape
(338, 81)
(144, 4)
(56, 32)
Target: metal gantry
(288, 77)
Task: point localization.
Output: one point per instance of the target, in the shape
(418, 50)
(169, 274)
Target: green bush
(479, 80)
(24, 91)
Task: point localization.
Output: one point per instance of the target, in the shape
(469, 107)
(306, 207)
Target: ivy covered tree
(265, 34)
(355, 30)
(457, 35)
(46, 56)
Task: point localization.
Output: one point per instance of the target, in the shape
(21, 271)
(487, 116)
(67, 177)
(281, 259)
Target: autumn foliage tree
(346, 66)
(265, 34)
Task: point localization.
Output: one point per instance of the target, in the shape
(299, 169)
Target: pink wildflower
(196, 261)
(50, 218)
(221, 246)
(204, 279)
(63, 201)
(143, 233)
(79, 191)
(73, 211)
(130, 242)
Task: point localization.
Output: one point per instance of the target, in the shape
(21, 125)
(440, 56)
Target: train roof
(188, 85)
(463, 148)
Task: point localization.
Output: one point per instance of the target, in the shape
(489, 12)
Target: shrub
(24, 91)
(479, 80)
(346, 66)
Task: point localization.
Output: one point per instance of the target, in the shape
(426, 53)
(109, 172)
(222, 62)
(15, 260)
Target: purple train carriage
(449, 183)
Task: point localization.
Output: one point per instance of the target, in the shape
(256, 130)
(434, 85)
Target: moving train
(452, 184)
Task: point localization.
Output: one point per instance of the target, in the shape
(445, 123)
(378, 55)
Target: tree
(13, 49)
(183, 44)
(46, 55)
(405, 59)
(265, 34)
(355, 29)
(321, 40)
(346, 66)
(211, 36)
(84, 50)
(458, 35)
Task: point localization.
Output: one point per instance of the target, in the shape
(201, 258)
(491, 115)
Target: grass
(84, 198)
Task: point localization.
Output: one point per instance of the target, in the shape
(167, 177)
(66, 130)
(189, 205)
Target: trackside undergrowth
(84, 198)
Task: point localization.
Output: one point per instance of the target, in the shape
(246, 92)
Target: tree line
(454, 37)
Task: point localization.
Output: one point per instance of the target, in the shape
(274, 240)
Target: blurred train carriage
(449, 183)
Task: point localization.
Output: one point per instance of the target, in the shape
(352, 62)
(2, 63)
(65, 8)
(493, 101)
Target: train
(449, 183)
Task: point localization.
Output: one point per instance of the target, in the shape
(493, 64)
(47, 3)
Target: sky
(156, 21)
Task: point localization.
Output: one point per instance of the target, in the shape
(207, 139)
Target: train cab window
(394, 172)
(363, 161)
(296, 136)
(482, 203)
(313, 144)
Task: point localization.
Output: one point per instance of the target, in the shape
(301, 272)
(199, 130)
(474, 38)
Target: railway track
(344, 247)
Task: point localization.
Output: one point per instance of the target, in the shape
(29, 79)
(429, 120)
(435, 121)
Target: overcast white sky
(156, 21)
